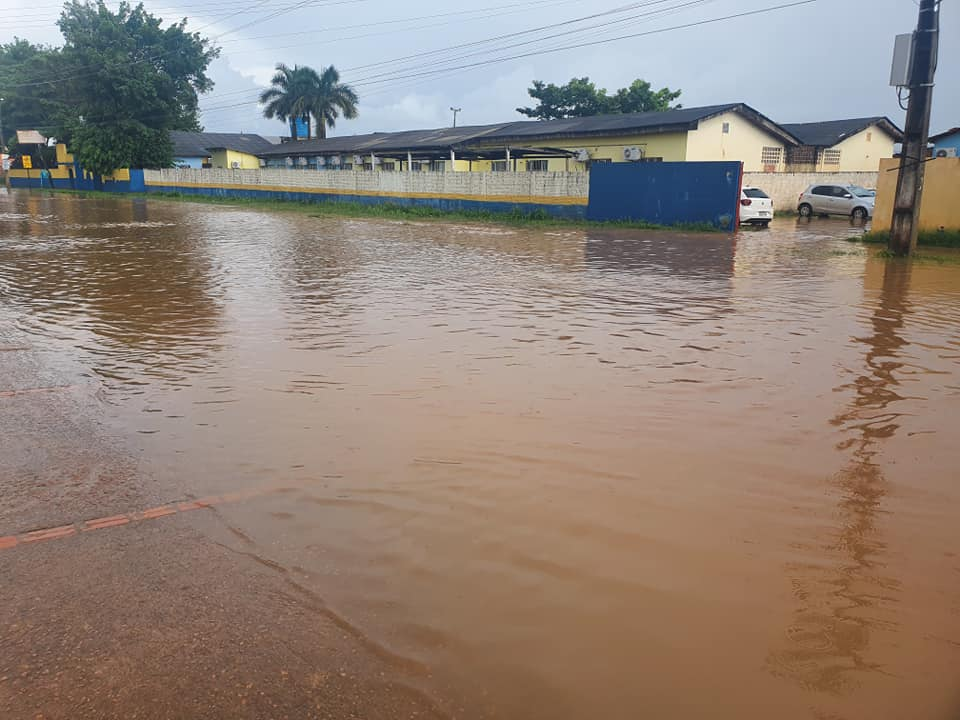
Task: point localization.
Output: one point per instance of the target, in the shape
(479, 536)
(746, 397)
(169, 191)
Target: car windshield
(754, 193)
(861, 192)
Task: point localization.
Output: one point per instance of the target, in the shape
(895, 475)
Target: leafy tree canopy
(115, 89)
(581, 98)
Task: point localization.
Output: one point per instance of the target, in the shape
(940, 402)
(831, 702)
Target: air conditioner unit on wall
(632, 154)
(235, 165)
(581, 155)
(947, 152)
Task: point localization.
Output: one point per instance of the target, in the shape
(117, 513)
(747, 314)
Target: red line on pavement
(27, 391)
(63, 531)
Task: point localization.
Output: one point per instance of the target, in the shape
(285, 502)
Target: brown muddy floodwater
(539, 473)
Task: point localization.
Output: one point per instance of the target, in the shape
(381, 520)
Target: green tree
(581, 98)
(29, 101)
(302, 93)
(128, 82)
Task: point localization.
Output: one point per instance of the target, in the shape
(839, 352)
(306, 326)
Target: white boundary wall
(493, 184)
(785, 188)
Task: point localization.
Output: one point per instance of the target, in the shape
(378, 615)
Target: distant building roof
(199, 144)
(30, 137)
(945, 134)
(833, 132)
(444, 139)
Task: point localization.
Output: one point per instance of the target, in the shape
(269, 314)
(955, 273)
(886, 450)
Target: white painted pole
(409, 162)
(453, 161)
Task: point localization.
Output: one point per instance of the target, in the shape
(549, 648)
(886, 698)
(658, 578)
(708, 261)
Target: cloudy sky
(411, 61)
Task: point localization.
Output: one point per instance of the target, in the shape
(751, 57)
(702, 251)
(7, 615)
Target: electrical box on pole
(902, 66)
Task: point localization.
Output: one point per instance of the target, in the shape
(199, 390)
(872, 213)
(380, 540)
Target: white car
(756, 207)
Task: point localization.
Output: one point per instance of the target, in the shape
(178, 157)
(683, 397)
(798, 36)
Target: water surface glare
(557, 473)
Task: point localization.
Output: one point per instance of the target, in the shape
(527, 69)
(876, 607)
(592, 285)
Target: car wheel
(805, 210)
(765, 224)
(859, 213)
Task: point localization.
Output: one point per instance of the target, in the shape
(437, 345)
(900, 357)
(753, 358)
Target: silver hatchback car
(849, 200)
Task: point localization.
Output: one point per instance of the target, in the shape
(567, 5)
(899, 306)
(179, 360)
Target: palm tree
(300, 93)
(333, 98)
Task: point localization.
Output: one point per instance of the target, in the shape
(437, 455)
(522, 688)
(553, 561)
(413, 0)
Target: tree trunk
(322, 129)
(309, 128)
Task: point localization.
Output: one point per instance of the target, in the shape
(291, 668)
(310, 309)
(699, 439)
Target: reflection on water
(840, 604)
(558, 472)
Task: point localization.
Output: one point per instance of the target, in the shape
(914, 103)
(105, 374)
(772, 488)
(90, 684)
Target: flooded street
(471, 471)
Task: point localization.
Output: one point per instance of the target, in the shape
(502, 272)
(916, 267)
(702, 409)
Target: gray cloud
(821, 61)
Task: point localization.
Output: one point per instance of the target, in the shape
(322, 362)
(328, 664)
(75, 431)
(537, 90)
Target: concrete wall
(785, 188)
(744, 142)
(558, 194)
(524, 185)
(940, 207)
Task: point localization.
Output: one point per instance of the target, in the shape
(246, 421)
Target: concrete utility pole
(906, 208)
(455, 111)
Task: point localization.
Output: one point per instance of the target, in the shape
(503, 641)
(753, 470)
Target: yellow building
(718, 132)
(237, 151)
(855, 145)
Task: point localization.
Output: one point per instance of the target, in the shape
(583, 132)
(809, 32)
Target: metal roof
(832, 132)
(199, 144)
(476, 137)
(30, 137)
(944, 135)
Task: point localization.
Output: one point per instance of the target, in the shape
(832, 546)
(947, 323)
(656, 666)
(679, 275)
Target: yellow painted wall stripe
(518, 199)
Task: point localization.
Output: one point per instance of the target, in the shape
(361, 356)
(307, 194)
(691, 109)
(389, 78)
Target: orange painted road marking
(106, 522)
(63, 531)
(27, 391)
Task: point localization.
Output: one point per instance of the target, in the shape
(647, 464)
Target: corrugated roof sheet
(832, 132)
(199, 144)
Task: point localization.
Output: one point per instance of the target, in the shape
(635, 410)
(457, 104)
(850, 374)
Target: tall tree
(333, 99)
(582, 98)
(128, 82)
(301, 93)
(29, 101)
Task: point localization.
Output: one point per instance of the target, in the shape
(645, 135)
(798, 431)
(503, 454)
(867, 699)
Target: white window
(831, 157)
(771, 156)
(498, 166)
(537, 165)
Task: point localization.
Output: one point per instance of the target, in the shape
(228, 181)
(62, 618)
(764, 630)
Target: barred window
(438, 165)
(831, 157)
(771, 156)
(537, 165)
(388, 166)
(498, 166)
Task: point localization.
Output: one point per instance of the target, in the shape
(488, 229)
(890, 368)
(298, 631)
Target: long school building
(718, 132)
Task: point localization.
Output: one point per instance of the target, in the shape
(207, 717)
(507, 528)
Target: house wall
(191, 162)
(224, 159)
(951, 141)
(862, 152)
(744, 142)
(785, 188)
(939, 207)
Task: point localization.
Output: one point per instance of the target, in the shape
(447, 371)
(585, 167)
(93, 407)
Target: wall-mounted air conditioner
(357, 160)
(581, 155)
(321, 161)
(632, 154)
(947, 152)
(235, 165)
(263, 163)
(335, 160)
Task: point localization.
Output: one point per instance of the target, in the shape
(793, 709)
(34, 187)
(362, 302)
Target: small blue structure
(298, 127)
(670, 193)
(946, 144)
